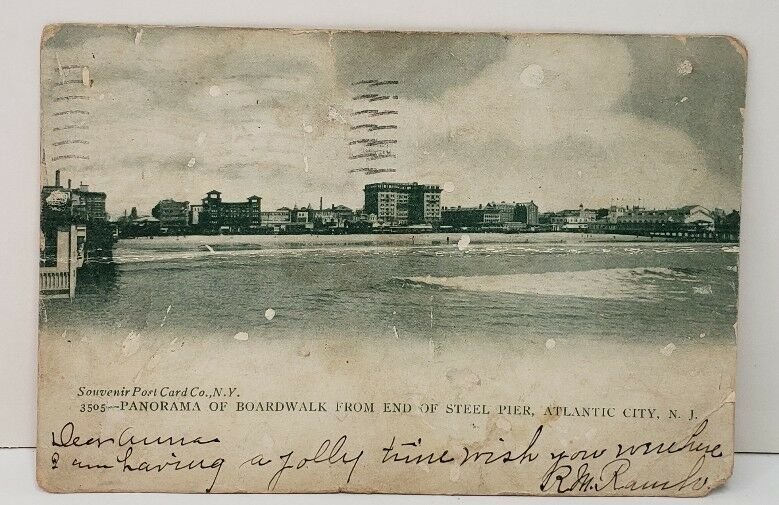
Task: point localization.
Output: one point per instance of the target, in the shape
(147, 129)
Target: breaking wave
(610, 284)
(207, 252)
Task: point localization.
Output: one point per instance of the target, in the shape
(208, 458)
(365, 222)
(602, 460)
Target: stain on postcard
(378, 262)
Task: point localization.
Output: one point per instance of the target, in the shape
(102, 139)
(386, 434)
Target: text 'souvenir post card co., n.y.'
(313, 261)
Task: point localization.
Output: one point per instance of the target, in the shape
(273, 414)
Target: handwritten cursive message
(598, 470)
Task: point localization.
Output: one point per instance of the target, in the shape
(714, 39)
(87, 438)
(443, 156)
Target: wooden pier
(682, 232)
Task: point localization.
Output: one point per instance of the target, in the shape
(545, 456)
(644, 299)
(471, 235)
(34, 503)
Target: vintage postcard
(382, 262)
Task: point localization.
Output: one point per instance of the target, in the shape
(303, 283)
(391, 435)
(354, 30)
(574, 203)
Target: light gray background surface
(754, 22)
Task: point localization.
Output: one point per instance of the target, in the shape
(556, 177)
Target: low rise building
(336, 216)
(569, 220)
(507, 216)
(527, 213)
(301, 215)
(173, 216)
(688, 214)
(689, 222)
(470, 217)
(518, 213)
(343, 214)
(276, 217)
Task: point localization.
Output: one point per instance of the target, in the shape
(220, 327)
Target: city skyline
(546, 119)
(142, 211)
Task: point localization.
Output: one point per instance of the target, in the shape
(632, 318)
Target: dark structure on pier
(687, 223)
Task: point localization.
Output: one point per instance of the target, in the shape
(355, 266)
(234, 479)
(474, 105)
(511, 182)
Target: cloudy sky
(146, 113)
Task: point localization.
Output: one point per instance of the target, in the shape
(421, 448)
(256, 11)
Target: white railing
(54, 281)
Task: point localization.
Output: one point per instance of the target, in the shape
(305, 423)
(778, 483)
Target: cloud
(558, 119)
(560, 139)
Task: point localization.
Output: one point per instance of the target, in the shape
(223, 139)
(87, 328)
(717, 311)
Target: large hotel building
(216, 215)
(403, 204)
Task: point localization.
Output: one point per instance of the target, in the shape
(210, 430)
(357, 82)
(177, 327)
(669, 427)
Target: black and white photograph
(396, 262)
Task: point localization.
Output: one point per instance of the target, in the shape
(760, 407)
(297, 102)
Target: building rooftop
(400, 185)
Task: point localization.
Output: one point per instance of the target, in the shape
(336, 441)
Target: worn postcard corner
(277, 261)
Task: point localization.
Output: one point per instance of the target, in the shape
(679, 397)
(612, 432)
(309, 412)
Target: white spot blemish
(684, 99)
(702, 290)
(463, 378)
(431, 311)
(131, 344)
(101, 96)
(85, 80)
(138, 36)
(270, 314)
(684, 67)
(702, 335)
(305, 163)
(532, 76)
(579, 173)
(191, 162)
(395, 330)
(308, 128)
(266, 442)
(241, 335)
(165, 317)
(215, 90)
(448, 186)
(210, 249)
(201, 137)
(733, 268)
(668, 350)
(462, 244)
(334, 115)
(550, 344)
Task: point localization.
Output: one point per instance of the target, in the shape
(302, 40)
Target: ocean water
(498, 289)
